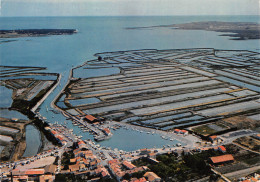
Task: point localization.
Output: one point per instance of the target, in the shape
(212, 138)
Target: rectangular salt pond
(166, 118)
(162, 85)
(5, 97)
(5, 138)
(155, 82)
(5, 113)
(246, 74)
(130, 119)
(164, 123)
(36, 77)
(88, 73)
(157, 76)
(189, 85)
(198, 71)
(178, 125)
(243, 93)
(139, 81)
(196, 117)
(84, 101)
(211, 62)
(229, 108)
(155, 101)
(227, 61)
(166, 107)
(7, 129)
(239, 83)
(102, 78)
(17, 72)
(85, 84)
(151, 70)
(255, 117)
(254, 82)
(72, 111)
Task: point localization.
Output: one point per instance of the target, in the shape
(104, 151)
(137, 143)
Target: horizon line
(42, 16)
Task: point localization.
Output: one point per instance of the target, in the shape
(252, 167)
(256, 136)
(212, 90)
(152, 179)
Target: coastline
(35, 32)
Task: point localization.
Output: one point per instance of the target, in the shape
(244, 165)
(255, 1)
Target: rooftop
(222, 158)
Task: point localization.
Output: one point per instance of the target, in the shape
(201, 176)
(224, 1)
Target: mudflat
(237, 30)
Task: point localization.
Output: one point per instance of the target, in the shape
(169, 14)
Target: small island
(35, 32)
(237, 30)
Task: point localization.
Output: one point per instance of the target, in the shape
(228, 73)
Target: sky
(128, 7)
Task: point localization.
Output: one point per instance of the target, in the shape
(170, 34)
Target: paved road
(243, 172)
(223, 177)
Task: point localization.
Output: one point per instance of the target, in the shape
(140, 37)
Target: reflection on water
(33, 141)
(5, 97)
(5, 113)
(130, 140)
(239, 83)
(87, 73)
(84, 101)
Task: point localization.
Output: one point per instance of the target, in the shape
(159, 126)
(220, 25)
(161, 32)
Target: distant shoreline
(237, 30)
(35, 32)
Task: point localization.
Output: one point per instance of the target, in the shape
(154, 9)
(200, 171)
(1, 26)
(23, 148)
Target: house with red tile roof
(152, 177)
(177, 131)
(107, 131)
(222, 149)
(90, 118)
(213, 138)
(138, 180)
(184, 132)
(54, 132)
(74, 168)
(145, 151)
(128, 165)
(222, 159)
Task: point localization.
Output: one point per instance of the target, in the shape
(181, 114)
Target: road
(231, 136)
(243, 172)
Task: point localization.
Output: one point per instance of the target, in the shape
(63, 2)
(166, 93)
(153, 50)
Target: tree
(127, 176)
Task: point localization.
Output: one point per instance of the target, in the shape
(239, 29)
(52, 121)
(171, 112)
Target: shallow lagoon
(33, 141)
(5, 113)
(5, 97)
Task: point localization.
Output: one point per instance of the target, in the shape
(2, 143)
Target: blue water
(33, 141)
(84, 101)
(129, 140)
(104, 34)
(242, 84)
(5, 95)
(85, 73)
(5, 113)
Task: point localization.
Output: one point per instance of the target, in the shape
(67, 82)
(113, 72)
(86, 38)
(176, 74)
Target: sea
(59, 54)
